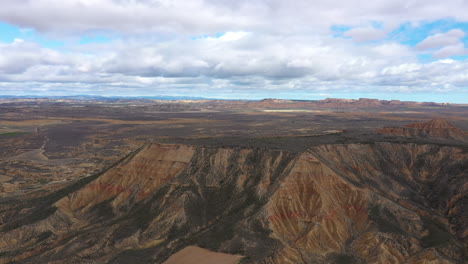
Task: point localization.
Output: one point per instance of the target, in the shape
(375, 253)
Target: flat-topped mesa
(336, 100)
(273, 100)
(367, 102)
(440, 128)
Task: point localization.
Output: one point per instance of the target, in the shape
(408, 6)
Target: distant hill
(103, 98)
(440, 128)
(264, 103)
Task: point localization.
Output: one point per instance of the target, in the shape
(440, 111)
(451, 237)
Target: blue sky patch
(8, 32)
(216, 35)
(411, 35)
(338, 31)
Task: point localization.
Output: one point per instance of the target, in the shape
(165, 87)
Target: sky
(414, 50)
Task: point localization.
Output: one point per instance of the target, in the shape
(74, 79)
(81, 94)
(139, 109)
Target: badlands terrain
(93, 180)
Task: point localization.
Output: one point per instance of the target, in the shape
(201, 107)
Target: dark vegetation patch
(136, 256)
(13, 134)
(341, 258)
(101, 212)
(245, 260)
(300, 144)
(385, 220)
(438, 235)
(43, 181)
(43, 236)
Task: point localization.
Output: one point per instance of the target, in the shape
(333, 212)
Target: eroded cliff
(354, 203)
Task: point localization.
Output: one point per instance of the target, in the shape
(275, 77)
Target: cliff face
(439, 128)
(419, 191)
(357, 203)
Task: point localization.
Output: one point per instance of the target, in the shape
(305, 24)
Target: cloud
(17, 57)
(444, 45)
(212, 16)
(204, 46)
(440, 40)
(363, 34)
(452, 50)
(240, 62)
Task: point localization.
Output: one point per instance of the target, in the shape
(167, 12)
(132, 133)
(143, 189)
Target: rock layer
(355, 203)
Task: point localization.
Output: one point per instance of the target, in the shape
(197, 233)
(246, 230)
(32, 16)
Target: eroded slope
(438, 128)
(355, 203)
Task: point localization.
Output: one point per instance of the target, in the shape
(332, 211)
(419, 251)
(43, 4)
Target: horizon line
(200, 98)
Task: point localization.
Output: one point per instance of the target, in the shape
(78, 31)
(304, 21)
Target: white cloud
(362, 34)
(233, 36)
(248, 45)
(452, 50)
(213, 16)
(253, 62)
(444, 45)
(440, 40)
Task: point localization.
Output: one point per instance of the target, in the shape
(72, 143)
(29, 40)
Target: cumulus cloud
(452, 50)
(17, 57)
(449, 38)
(211, 16)
(362, 34)
(444, 45)
(208, 45)
(240, 61)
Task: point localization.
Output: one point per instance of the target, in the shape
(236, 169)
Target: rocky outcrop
(355, 203)
(438, 128)
(315, 212)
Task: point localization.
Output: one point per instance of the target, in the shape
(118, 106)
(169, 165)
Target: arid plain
(211, 181)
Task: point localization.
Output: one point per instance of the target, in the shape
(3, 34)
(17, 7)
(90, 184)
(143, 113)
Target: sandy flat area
(5, 178)
(7, 130)
(139, 122)
(197, 255)
(292, 111)
(37, 156)
(35, 122)
(59, 120)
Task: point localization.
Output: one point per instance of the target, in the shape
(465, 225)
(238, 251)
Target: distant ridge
(99, 98)
(433, 124)
(341, 103)
(440, 128)
(267, 102)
